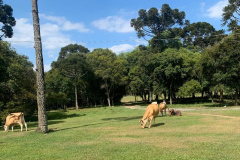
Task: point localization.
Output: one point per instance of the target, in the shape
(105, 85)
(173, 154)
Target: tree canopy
(7, 20)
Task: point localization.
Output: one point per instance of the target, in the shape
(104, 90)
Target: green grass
(115, 133)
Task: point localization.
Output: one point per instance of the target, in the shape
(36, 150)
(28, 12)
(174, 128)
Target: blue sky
(95, 23)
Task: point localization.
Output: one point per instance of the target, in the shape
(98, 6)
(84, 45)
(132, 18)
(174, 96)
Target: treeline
(181, 59)
(17, 82)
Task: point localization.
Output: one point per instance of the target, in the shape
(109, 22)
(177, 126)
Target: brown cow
(13, 119)
(172, 112)
(151, 112)
(163, 107)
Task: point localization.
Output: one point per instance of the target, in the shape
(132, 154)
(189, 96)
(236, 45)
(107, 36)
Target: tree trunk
(42, 115)
(108, 99)
(170, 94)
(236, 98)
(76, 95)
(221, 96)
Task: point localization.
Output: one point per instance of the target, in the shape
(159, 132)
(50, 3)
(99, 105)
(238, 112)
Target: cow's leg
(12, 128)
(21, 127)
(25, 126)
(150, 122)
(161, 113)
(165, 111)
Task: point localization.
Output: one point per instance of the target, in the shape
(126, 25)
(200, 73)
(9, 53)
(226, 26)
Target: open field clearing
(115, 133)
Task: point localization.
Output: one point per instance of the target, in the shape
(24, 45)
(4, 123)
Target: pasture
(203, 132)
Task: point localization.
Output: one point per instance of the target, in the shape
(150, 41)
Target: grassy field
(109, 133)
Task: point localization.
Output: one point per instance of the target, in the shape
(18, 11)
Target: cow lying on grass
(163, 107)
(150, 114)
(13, 119)
(172, 112)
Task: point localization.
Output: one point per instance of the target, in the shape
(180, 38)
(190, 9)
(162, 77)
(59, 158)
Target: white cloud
(22, 33)
(113, 24)
(216, 11)
(122, 48)
(64, 24)
(74, 26)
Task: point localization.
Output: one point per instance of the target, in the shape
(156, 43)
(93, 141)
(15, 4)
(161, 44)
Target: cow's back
(162, 106)
(153, 110)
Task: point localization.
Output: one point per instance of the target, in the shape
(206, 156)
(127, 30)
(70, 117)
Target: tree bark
(42, 116)
(236, 98)
(221, 96)
(76, 95)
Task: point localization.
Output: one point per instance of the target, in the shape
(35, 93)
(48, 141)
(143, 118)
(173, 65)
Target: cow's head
(143, 123)
(5, 128)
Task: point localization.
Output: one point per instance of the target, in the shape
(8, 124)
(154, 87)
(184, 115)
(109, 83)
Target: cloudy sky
(95, 23)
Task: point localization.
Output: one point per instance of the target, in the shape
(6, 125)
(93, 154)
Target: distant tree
(109, 68)
(159, 25)
(71, 48)
(221, 64)
(153, 22)
(42, 115)
(7, 20)
(172, 69)
(17, 83)
(75, 67)
(189, 88)
(200, 35)
(231, 14)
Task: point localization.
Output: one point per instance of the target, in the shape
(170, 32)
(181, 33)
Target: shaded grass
(115, 133)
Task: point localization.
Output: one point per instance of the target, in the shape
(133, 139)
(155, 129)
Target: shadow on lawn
(86, 125)
(122, 118)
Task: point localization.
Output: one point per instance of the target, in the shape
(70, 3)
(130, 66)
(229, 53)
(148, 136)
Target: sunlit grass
(115, 133)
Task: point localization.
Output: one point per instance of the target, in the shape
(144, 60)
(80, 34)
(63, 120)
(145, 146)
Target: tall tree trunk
(170, 94)
(221, 96)
(76, 95)
(42, 115)
(236, 98)
(108, 99)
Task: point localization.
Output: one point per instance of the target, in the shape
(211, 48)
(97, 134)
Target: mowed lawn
(115, 133)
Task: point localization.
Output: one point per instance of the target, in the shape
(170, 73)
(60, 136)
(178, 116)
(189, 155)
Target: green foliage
(189, 88)
(221, 63)
(200, 35)
(231, 14)
(110, 69)
(71, 48)
(153, 22)
(7, 20)
(17, 82)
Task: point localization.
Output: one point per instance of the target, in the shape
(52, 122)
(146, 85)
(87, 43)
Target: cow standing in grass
(163, 107)
(13, 119)
(151, 113)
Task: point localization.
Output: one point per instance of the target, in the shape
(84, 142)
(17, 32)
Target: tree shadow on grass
(122, 118)
(75, 127)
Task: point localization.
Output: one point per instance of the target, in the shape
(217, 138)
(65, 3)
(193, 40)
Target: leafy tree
(200, 35)
(189, 88)
(220, 64)
(75, 67)
(71, 48)
(7, 20)
(172, 69)
(109, 68)
(140, 72)
(17, 83)
(231, 14)
(153, 22)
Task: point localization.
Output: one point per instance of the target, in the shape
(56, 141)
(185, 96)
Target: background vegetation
(183, 60)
